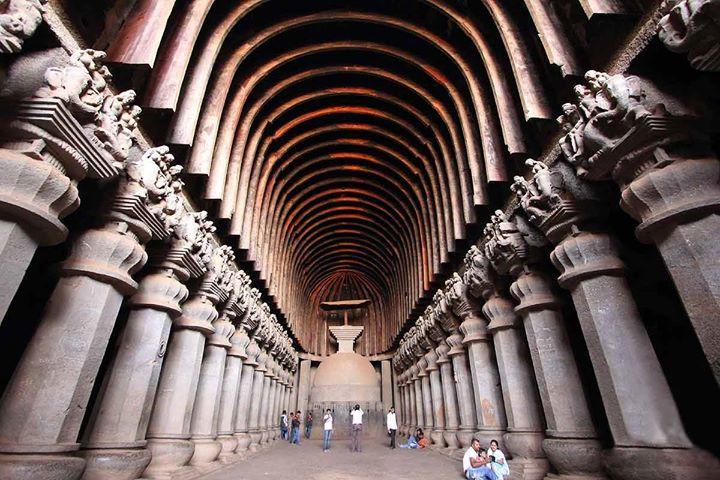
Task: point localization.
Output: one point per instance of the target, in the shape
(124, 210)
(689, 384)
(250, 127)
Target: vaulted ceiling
(348, 147)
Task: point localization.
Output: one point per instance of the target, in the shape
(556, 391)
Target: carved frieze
(618, 122)
(554, 199)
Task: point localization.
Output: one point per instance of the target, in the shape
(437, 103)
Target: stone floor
(308, 462)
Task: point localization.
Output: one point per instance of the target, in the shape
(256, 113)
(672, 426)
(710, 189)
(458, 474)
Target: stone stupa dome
(345, 377)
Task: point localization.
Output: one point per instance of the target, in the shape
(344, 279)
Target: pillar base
(450, 437)
(524, 444)
(438, 438)
(168, 456)
(243, 440)
(228, 444)
(646, 463)
(115, 463)
(465, 437)
(255, 438)
(575, 457)
(264, 437)
(206, 451)
(17, 466)
(529, 468)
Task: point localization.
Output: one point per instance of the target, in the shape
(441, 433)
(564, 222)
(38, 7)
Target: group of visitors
(489, 464)
(290, 427)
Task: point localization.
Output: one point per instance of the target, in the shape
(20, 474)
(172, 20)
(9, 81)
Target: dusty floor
(308, 462)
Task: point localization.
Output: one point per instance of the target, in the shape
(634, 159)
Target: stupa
(345, 376)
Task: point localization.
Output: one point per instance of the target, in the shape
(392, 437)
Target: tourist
(392, 426)
(308, 424)
(327, 430)
(498, 463)
(476, 463)
(422, 441)
(356, 432)
(411, 442)
(296, 428)
(291, 417)
(284, 425)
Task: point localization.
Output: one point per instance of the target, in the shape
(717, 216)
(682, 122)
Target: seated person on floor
(476, 463)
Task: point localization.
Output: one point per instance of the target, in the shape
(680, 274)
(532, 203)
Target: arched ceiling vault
(348, 147)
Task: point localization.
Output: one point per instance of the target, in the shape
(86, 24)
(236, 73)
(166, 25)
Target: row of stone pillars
(199, 352)
(507, 368)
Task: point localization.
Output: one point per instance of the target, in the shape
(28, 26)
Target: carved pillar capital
(677, 191)
(455, 342)
(532, 290)
(474, 329)
(36, 195)
(422, 367)
(221, 336)
(442, 351)
(501, 314)
(160, 291)
(586, 255)
(555, 199)
(111, 254)
(431, 358)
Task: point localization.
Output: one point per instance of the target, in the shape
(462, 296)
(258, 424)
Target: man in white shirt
(356, 431)
(476, 463)
(327, 429)
(392, 426)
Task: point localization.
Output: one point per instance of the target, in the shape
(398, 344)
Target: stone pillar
(114, 441)
(244, 397)
(403, 426)
(232, 377)
(279, 396)
(410, 385)
(296, 387)
(203, 424)
(169, 430)
(452, 420)
(269, 417)
(677, 204)
(34, 196)
(255, 402)
(465, 396)
(264, 403)
(303, 389)
(522, 404)
(397, 400)
(429, 422)
(650, 441)
(417, 389)
(666, 169)
(438, 405)
(113, 445)
(489, 404)
(387, 383)
(48, 150)
(43, 406)
(571, 442)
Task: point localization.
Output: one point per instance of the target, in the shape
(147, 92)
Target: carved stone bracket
(18, 21)
(693, 27)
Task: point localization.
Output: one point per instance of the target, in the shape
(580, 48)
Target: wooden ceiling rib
(348, 146)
